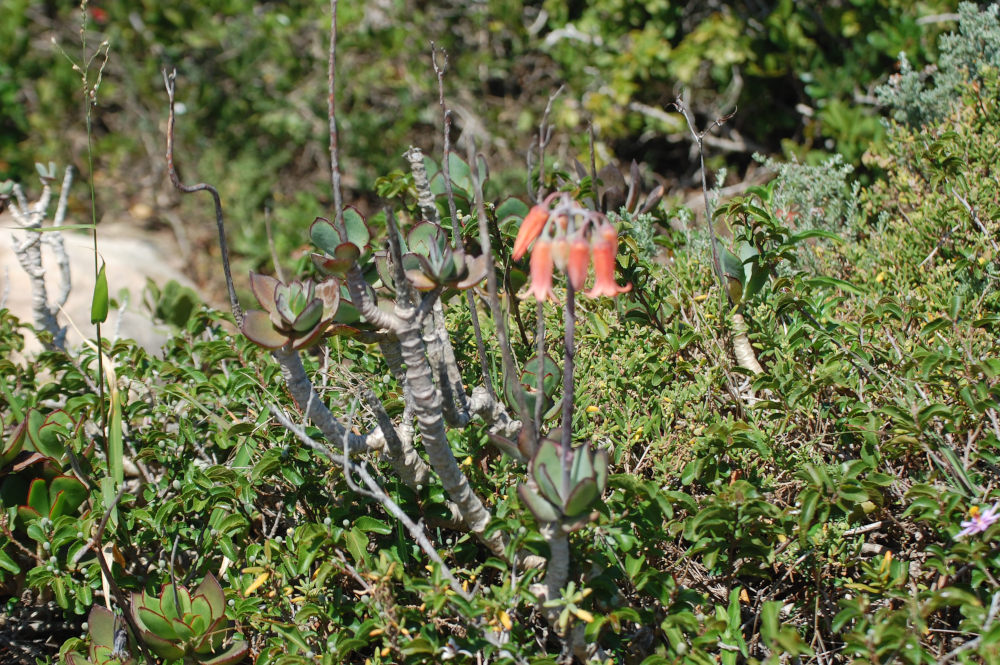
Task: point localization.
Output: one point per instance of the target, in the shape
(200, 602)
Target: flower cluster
(566, 236)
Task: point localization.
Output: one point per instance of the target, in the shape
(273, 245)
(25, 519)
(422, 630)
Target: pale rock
(130, 260)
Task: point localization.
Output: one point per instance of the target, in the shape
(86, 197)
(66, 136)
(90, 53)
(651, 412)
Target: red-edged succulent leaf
(50, 436)
(310, 315)
(581, 498)
(101, 625)
(329, 293)
(38, 496)
(506, 445)
(330, 265)
(212, 637)
(343, 330)
(582, 465)
(476, 269)
(384, 268)
(66, 493)
(258, 329)
(419, 280)
(26, 459)
(28, 514)
(549, 479)
(425, 238)
(347, 252)
(212, 592)
(358, 232)
(154, 622)
(199, 622)
(163, 648)
(74, 658)
(175, 601)
(263, 287)
(543, 510)
(311, 338)
(183, 630)
(601, 462)
(236, 652)
(283, 314)
(325, 235)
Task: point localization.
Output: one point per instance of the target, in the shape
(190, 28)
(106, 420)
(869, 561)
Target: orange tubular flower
(579, 261)
(605, 248)
(541, 271)
(531, 227)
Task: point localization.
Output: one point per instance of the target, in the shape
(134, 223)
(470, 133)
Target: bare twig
(234, 303)
(331, 107)
(470, 300)
(376, 492)
(510, 369)
(975, 220)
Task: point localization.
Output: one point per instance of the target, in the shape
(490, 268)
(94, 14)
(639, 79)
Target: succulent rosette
(556, 498)
(177, 624)
(294, 315)
(430, 261)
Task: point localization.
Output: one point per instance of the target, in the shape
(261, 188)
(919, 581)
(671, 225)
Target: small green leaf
(8, 564)
(99, 305)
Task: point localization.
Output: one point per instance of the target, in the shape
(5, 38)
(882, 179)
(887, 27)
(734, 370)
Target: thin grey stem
(375, 491)
(569, 319)
(234, 302)
(539, 363)
(331, 111)
(510, 369)
(470, 300)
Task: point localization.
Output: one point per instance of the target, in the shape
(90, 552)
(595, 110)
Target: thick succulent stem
(407, 464)
(427, 407)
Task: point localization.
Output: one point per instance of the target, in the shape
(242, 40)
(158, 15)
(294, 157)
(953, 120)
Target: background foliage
(816, 517)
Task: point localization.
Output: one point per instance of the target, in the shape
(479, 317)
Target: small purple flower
(980, 520)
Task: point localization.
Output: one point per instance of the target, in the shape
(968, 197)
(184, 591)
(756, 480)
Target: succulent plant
(553, 499)
(295, 314)
(108, 641)
(429, 261)
(342, 249)
(52, 498)
(177, 624)
(31, 476)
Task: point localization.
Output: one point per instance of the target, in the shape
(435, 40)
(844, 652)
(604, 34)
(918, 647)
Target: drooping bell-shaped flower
(560, 252)
(605, 246)
(579, 261)
(530, 229)
(541, 270)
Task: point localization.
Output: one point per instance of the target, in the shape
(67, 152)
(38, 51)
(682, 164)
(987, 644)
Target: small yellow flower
(256, 584)
(505, 620)
(592, 409)
(880, 277)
